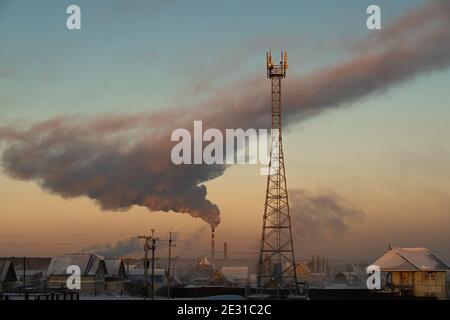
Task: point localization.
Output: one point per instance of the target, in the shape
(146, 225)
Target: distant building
(413, 272)
(303, 272)
(237, 276)
(115, 276)
(350, 279)
(199, 281)
(204, 266)
(202, 272)
(218, 279)
(137, 277)
(35, 273)
(33, 278)
(93, 271)
(8, 276)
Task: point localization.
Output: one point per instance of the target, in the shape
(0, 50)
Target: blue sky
(144, 55)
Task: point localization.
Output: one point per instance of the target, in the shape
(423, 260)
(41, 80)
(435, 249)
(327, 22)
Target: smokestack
(213, 244)
(225, 251)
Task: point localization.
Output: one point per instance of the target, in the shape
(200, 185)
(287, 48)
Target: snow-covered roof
(28, 272)
(217, 277)
(235, 273)
(88, 263)
(204, 262)
(410, 259)
(303, 266)
(141, 272)
(349, 275)
(113, 267)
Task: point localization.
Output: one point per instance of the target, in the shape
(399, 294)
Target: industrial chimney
(225, 251)
(213, 249)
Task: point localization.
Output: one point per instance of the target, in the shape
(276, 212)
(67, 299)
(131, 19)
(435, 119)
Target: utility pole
(153, 262)
(168, 267)
(146, 247)
(24, 272)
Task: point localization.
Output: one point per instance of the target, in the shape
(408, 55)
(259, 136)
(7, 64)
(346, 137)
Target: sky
(383, 159)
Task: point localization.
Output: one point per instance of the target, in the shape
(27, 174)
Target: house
(201, 273)
(136, 279)
(303, 272)
(30, 271)
(237, 276)
(218, 279)
(199, 281)
(93, 271)
(203, 268)
(137, 276)
(8, 276)
(348, 279)
(413, 272)
(32, 278)
(306, 276)
(115, 276)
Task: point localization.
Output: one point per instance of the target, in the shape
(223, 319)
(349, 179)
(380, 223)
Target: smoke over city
(116, 161)
(119, 249)
(320, 216)
(121, 161)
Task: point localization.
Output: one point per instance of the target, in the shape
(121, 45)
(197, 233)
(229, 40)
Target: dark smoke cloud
(124, 160)
(117, 161)
(120, 249)
(320, 217)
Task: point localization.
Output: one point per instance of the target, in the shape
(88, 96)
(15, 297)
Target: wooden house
(413, 272)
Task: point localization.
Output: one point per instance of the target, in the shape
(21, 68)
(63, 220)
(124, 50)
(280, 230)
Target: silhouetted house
(136, 279)
(303, 272)
(351, 279)
(201, 273)
(8, 276)
(115, 276)
(305, 275)
(217, 279)
(237, 276)
(137, 276)
(204, 267)
(413, 272)
(92, 267)
(33, 278)
(199, 281)
(35, 273)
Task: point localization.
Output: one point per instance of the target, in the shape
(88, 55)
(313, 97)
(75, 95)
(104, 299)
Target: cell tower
(276, 266)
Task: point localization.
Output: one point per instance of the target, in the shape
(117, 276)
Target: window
(429, 276)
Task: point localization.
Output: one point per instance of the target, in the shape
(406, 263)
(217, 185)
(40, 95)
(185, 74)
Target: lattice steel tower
(276, 266)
